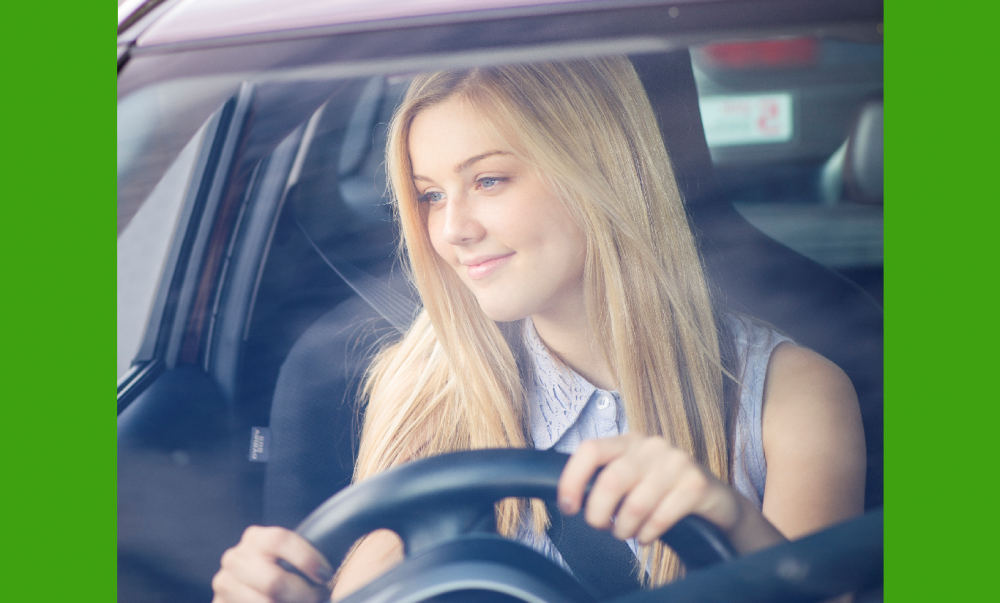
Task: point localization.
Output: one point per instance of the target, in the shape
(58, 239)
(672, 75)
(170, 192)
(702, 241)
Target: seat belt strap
(604, 565)
(391, 297)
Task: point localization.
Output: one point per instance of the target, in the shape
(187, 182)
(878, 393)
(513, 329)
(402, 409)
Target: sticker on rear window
(747, 119)
(260, 443)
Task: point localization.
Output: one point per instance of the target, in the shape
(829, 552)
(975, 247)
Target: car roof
(148, 23)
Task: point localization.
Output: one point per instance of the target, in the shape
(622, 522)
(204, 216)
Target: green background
(940, 301)
(57, 490)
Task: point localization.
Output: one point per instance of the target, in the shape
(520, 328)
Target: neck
(573, 341)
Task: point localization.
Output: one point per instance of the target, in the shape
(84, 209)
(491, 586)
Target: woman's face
(493, 219)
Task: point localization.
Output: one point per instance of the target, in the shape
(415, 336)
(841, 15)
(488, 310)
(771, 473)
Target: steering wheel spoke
(427, 528)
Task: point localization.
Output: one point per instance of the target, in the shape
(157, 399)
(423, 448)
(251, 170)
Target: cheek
(573, 251)
(563, 237)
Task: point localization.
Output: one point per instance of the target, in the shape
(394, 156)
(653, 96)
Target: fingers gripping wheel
(434, 500)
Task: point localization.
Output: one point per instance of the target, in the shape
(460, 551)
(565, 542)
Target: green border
(58, 502)
(941, 223)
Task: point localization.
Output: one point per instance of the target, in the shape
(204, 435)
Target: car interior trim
(847, 557)
(240, 273)
(135, 380)
(210, 241)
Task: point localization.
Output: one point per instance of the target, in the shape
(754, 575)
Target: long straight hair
(454, 381)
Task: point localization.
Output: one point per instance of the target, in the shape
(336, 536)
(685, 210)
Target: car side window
(142, 250)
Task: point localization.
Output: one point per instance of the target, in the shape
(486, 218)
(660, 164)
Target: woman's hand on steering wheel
(253, 572)
(647, 485)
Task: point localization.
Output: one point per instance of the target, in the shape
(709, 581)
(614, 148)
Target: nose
(461, 225)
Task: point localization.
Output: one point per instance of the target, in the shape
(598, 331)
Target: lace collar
(555, 393)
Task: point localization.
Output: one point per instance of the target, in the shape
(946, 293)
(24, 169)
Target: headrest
(854, 171)
(863, 160)
(346, 155)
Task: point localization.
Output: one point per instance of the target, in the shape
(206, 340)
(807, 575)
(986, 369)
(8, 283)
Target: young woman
(565, 306)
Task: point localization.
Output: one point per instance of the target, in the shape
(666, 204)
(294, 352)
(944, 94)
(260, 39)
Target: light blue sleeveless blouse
(564, 409)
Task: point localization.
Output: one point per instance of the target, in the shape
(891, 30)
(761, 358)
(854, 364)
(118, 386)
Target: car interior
(284, 277)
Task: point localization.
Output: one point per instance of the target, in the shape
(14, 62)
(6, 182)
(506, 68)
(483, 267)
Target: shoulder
(805, 397)
(796, 373)
(813, 438)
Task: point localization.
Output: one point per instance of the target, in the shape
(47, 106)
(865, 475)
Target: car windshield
(776, 113)
(258, 257)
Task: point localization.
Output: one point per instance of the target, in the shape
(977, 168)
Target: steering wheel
(443, 510)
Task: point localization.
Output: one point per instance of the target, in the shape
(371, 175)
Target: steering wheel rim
(433, 499)
(441, 498)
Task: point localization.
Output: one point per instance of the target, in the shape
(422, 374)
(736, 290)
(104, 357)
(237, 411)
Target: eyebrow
(473, 160)
(468, 162)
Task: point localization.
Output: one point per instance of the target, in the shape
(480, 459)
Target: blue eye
(430, 197)
(491, 182)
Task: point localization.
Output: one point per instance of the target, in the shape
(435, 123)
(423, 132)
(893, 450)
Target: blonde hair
(454, 382)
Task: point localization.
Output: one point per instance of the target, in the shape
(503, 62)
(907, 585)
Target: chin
(502, 313)
(505, 316)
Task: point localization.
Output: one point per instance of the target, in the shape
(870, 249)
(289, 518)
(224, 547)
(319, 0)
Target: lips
(480, 268)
